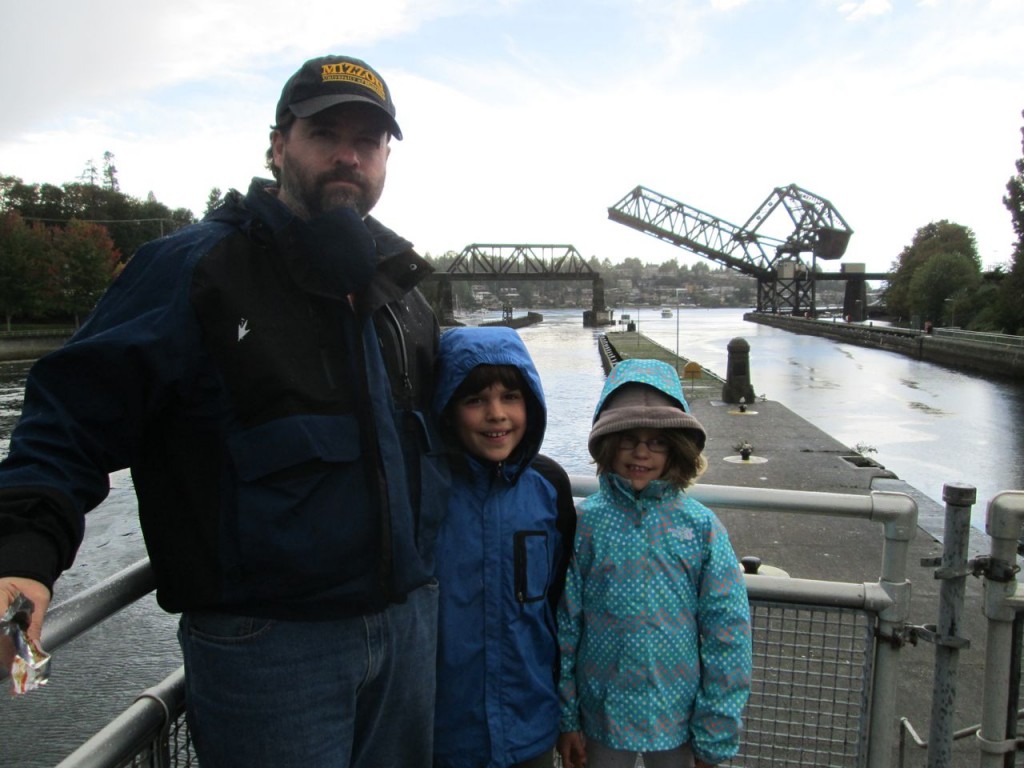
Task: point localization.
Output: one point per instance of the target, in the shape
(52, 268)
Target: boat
(666, 312)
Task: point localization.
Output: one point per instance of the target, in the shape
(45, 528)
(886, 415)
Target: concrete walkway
(791, 453)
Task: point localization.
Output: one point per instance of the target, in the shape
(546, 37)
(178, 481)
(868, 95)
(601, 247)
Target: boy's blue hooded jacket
(501, 562)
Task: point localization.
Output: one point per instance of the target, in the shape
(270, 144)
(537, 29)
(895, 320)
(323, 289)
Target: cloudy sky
(526, 119)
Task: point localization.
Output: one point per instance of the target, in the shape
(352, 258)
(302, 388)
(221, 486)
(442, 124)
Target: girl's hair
(684, 462)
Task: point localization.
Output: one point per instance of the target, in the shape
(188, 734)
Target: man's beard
(316, 199)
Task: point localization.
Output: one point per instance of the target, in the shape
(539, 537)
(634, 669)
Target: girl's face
(641, 456)
(491, 422)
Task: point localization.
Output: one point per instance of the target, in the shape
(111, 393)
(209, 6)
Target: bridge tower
(785, 277)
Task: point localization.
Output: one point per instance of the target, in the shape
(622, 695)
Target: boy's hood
(463, 349)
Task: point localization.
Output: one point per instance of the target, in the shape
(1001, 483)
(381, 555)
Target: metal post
(1003, 524)
(898, 513)
(677, 331)
(1013, 694)
(953, 572)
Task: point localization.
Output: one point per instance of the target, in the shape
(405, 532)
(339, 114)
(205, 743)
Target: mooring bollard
(737, 376)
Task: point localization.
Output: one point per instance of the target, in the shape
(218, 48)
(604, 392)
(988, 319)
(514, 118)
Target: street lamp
(952, 311)
(677, 330)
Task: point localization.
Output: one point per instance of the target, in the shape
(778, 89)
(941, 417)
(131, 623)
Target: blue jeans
(350, 693)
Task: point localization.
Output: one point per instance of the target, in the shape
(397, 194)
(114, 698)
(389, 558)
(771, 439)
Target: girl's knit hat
(634, 405)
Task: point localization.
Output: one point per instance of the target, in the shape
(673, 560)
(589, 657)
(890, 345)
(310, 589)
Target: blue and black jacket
(268, 380)
(501, 562)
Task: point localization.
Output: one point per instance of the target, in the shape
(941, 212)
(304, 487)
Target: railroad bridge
(494, 261)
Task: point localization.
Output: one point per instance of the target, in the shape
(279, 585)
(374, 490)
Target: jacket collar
(339, 256)
(654, 490)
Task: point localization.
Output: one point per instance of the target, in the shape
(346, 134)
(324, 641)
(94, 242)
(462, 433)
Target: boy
(501, 558)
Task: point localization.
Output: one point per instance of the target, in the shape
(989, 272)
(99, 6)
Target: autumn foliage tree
(96, 198)
(60, 246)
(86, 262)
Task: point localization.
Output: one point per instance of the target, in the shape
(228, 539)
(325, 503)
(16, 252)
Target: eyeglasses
(629, 442)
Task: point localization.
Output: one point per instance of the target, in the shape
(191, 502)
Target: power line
(97, 221)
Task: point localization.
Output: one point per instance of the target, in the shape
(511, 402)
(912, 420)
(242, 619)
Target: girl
(502, 554)
(654, 626)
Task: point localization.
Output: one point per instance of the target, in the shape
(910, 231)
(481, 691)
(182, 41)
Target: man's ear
(277, 142)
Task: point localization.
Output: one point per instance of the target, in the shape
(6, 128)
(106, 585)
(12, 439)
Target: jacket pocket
(532, 565)
(428, 478)
(302, 515)
(284, 443)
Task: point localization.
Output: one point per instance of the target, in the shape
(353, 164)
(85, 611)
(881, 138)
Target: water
(928, 424)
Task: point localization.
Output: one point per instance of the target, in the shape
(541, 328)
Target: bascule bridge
(785, 276)
(489, 262)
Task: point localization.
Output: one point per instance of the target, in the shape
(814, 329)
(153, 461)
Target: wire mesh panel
(810, 689)
(809, 695)
(166, 750)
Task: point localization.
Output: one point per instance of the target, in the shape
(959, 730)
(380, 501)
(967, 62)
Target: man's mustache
(341, 174)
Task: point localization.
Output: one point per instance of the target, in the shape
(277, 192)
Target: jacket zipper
(400, 346)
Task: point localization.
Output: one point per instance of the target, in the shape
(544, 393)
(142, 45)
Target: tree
(670, 268)
(214, 199)
(1010, 306)
(66, 282)
(942, 237)
(940, 284)
(634, 268)
(24, 260)
(110, 172)
(87, 263)
(16, 195)
(90, 174)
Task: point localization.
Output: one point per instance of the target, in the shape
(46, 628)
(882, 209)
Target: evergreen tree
(90, 174)
(110, 172)
(214, 199)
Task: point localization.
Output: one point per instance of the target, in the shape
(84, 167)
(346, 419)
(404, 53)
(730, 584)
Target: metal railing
(36, 333)
(825, 673)
(980, 337)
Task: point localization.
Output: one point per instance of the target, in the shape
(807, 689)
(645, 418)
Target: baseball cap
(329, 80)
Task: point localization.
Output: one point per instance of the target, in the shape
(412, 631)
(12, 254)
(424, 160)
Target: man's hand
(10, 586)
(572, 749)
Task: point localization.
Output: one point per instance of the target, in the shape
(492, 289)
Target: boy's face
(641, 456)
(491, 422)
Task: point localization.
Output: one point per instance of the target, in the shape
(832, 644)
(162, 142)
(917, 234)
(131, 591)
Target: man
(267, 376)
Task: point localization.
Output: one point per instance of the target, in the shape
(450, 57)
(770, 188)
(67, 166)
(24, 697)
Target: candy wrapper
(31, 666)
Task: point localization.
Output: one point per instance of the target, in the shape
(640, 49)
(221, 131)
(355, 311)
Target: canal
(927, 424)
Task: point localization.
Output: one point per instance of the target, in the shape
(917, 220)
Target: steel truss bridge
(785, 278)
(492, 261)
